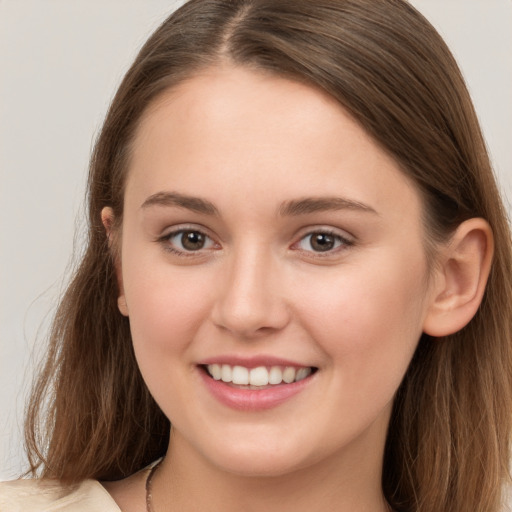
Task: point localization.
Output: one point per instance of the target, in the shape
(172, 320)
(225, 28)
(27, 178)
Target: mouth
(258, 378)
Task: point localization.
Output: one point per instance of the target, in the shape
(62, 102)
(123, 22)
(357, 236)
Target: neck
(186, 481)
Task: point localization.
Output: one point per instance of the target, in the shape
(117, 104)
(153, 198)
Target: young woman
(298, 259)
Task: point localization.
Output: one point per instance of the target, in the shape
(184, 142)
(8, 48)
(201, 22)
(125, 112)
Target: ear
(461, 276)
(107, 218)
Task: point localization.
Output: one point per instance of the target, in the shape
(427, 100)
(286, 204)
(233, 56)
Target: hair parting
(448, 445)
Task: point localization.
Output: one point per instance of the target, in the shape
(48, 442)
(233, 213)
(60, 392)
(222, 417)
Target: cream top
(40, 495)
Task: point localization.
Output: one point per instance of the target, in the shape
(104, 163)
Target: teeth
(289, 374)
(260, 376)
(215, 371)
(226, 373)
(275, 375)
(302, 373)
(240, 375)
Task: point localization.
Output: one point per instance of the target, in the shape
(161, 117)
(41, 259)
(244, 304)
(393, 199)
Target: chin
(259, 459)
(264, 467)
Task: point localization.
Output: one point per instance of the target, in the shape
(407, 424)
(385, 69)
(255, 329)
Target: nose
(250, 301)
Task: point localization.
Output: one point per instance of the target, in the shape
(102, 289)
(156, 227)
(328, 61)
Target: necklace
(149, 497)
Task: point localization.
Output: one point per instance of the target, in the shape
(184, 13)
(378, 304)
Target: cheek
(369, 322)
(166, 308)
(166, 305)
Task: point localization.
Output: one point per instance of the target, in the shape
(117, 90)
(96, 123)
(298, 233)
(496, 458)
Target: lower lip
(253, 399)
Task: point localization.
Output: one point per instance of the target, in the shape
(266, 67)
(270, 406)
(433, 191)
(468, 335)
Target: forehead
(259, 136)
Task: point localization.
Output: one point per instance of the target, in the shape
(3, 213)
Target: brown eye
(321, 242)
(187, 241)
(192, 240)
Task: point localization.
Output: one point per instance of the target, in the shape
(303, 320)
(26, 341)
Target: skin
(250, 144)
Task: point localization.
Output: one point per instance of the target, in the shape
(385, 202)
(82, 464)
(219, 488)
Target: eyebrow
(195, 204)
(320, 204)
(296, 207)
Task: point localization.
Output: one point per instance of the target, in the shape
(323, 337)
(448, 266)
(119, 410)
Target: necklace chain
(149, 488)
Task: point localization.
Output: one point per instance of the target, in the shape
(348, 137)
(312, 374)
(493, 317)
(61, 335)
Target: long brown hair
(448, 442)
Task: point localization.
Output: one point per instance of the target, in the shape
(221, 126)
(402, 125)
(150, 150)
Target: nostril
(247, 307)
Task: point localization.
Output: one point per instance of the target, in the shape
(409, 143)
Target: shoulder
(43, 495)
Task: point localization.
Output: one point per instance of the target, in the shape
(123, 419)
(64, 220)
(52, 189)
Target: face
(273, 270)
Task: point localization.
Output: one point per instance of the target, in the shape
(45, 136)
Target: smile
(254, 378)
(257, 386)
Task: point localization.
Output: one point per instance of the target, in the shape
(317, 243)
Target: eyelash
(341, 242)
(168, 246)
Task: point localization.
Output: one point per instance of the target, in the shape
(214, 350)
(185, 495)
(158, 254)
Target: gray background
(60, 62)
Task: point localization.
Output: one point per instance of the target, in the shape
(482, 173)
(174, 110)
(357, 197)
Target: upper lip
(252, 361)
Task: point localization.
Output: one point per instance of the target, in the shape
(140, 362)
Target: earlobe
(121, 304)
(460, 279)
(107, 219)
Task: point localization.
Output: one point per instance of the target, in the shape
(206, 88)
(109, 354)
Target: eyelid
(173, 231)
(347, 240)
